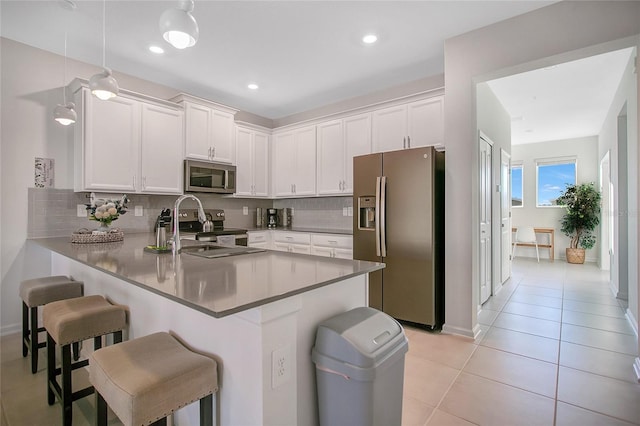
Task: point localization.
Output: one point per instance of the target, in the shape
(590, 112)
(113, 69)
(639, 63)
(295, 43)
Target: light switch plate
(81, 210)
(139, 210)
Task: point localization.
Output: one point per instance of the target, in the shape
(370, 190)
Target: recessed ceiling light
(156, 49)
(370, 39)
(252, 86)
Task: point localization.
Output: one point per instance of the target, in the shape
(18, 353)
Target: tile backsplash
(52, 212)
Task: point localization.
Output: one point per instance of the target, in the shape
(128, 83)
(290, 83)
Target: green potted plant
(582, 204)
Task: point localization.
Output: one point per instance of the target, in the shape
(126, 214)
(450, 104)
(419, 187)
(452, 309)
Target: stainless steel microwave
(203, 176)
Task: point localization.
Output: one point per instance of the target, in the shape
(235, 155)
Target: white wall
(586, 152)
(553, 34)
(626, 97)
(31, 81)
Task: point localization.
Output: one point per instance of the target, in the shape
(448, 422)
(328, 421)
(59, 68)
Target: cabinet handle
(295, 189)
(213, 152)
(144, 183)
(404, 143)
(408, 141)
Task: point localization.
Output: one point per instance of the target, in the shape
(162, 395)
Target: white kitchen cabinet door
(357, 141)
(197, 131)
(252, 163)
(222, 137)
(284, 167)
(260, 164)
(209, 134)
(244, 163)
(425, 120)
(161, 150)
(110, 145)
(331, 158)
(294, 162)
(305, 182)
(389, 128)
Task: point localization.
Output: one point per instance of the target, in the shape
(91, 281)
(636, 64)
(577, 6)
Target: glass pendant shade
(103, 85)
(65, 114)
(178, 26)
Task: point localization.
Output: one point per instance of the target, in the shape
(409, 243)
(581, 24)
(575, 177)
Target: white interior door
(505, 215)
(486, 249)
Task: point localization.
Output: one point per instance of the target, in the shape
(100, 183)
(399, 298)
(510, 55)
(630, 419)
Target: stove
(188, 223)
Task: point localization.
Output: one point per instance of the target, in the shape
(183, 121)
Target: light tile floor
(555, 349)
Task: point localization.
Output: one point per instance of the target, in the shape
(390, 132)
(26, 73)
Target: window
(516, 185)
(552, 177)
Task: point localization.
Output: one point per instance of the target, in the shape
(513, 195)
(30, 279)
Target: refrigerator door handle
(377, 229)
(383, 216)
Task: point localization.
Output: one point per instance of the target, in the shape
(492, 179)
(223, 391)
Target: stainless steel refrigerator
(398, 198)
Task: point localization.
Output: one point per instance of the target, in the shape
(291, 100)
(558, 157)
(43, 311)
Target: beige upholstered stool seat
(74, 320)
(37, 292)
(40, 291)
(146, 379)
(70, 321)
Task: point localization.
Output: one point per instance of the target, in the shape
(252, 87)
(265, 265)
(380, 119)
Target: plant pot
(575, 255)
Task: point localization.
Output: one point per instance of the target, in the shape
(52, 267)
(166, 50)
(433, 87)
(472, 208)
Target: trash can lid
(362, 337)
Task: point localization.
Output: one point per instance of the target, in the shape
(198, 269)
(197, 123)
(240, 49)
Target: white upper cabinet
(338, 142)
(209, 130)
(127, 145)
(161, 146)
(411, 125)
(294, 162)
(252, 162)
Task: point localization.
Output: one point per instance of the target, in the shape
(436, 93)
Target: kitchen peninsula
(247, 311)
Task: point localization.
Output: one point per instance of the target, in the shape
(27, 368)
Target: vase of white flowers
(106, 210)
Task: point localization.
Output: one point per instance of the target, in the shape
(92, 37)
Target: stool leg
(206, 410)
(66, 386)
(76, 351)
(34, 340)
(101, 410)
(51, 369)
(25, 329)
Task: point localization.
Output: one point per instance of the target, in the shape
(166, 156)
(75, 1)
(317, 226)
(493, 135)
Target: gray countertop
(309, 230)
(217, 287)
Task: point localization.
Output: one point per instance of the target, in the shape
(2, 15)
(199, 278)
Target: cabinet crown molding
(80, 83)
(184, 97)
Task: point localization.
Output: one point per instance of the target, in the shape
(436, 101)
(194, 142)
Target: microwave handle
(226, 179)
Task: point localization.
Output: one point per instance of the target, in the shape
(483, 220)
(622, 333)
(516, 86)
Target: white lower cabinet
(259, 239)
(292, 242)
(332, 245)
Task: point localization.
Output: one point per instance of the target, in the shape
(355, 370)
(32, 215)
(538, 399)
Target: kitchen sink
(211, 251)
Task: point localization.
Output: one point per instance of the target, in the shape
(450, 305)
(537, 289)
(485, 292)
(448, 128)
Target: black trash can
(359, 358)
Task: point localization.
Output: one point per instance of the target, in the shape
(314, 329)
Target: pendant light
(64, 113)
(178, 26)
(103, 85)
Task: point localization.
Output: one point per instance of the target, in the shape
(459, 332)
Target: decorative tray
(84, 236)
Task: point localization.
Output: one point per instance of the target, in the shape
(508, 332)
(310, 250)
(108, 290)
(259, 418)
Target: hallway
(555, 349)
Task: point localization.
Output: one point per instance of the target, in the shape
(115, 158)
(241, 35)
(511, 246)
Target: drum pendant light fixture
(103, 85)
(64, 113)
(178, 26)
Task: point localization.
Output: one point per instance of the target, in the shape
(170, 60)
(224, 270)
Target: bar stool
(70, 321)
(37, 292)
(145, 379)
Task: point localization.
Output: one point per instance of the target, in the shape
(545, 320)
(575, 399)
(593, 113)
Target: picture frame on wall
(44, 172)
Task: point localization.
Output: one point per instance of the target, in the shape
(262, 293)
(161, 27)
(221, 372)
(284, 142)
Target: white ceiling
(566, 101)
(307, 54)
(303, 54)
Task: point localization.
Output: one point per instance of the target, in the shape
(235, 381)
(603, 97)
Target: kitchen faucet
(176, 246)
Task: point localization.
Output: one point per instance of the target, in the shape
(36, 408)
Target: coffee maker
(272, 218)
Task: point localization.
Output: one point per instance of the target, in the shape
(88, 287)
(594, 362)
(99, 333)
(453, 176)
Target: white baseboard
(10, 329)
(462, 331)
(632, 320)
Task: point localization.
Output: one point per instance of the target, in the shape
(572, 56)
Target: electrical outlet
(81, 210)
(345, 211)
(350, 211)
(280, 366)
(245, 210)
(139, 210)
